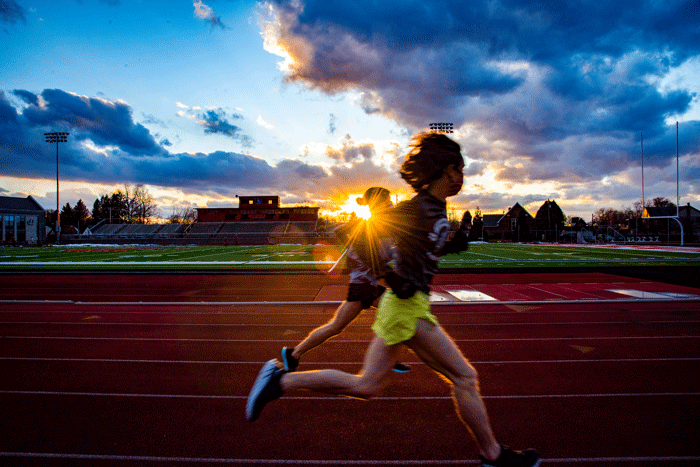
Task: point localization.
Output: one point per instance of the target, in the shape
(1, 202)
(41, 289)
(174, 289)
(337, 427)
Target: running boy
(369, 249)
(434, 169)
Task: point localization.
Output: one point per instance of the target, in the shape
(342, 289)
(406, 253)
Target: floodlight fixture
(57, 137)
(442, 127)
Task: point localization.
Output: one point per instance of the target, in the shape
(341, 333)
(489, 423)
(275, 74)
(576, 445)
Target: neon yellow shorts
(396, 318)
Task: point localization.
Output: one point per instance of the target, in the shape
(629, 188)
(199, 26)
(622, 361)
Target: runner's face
(455, 176)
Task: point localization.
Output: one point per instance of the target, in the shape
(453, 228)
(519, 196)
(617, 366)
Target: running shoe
(290, 363)
(401, 368)
(265, 389)
(510, 458)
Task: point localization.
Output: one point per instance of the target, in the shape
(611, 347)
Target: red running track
(588, 376)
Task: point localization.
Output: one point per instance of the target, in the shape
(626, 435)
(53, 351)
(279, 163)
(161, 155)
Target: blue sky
(313, 100)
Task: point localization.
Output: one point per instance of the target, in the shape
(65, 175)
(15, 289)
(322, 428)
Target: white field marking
(500, 258)
(338, 260)
(613, 246)
(206, 255)
(257, 260)
(216, 460)
(342, 341)
(228, 362)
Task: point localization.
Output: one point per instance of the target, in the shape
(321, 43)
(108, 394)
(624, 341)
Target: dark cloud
(349, 151)
(564, 88)
(102, 121)
(475, 168)
(219, 171)
(28, 97)
(302, 170)
(215, 122)
(8, 114)
(11, 12)
(658, 150)
(96, 152)
(112, 162)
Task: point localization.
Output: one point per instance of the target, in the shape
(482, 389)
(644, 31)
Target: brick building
(22, 221)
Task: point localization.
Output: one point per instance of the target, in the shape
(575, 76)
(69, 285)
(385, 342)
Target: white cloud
(263, 123)
(201, 10)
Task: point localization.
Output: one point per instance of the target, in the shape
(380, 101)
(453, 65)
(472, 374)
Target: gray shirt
(421, 232)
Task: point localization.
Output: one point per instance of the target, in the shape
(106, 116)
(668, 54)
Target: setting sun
(351, 206)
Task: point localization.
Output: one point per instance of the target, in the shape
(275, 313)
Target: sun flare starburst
(351, 206)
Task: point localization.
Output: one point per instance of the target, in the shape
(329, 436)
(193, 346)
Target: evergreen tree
(67, 216)
(477, 226)
(81, 215)
(550, 219)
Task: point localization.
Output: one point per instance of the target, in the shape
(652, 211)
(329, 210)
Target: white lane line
(217, 460)
(524, 323)
(341, 398)
(228, 362)
(533, 311)
(548, 292)
(297, 325)
(339, 341)
(668, 297)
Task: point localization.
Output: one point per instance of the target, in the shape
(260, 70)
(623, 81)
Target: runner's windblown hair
(429, 155)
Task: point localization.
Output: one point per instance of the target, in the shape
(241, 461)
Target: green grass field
(322, 257)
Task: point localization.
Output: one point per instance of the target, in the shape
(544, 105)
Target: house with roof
(513, 226)
(22, 221)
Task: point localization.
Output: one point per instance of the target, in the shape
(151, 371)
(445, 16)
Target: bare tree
(140, 204)
(183, 216)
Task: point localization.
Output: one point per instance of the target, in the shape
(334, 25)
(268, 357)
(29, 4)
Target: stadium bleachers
(139, 229)
(108, 229)
(205, 228)
(302, 227)
(226, 233)
(172, 229)
(253, 228)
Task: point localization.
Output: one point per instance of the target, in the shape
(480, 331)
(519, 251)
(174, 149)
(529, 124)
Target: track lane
(146, 384)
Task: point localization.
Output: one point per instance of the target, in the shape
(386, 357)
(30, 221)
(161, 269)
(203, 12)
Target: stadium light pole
(57, 137)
